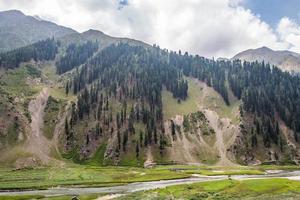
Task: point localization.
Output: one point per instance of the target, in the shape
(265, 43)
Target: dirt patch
(37, 144)
(149, 161)
(195, 147)
(22, 163)
(222, 128)
(187, 148)
(59, 127)
(110, 196)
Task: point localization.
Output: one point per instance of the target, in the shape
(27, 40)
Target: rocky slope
(285, 60)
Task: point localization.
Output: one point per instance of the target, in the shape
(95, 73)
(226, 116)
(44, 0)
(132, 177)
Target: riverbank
(73, 175)
(84, 180)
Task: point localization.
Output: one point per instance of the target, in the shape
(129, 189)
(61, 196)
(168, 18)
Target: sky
(211, 28)
(271, 11)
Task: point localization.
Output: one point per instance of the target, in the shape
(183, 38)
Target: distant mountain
(18, 29)
(286, 60)
(103, 39)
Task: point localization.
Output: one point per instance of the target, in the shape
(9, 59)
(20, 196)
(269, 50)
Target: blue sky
(271, 11)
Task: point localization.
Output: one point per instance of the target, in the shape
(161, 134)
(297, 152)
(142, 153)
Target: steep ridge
(285, 60)
(18, 29)
(103, 39)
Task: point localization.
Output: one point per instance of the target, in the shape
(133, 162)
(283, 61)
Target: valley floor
(91, 182)
(259, 189)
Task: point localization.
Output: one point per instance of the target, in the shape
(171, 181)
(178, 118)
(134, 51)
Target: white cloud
(289, 33)
(208, 28)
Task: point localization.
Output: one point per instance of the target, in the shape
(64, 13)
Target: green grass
(12, 134)
(72, 174)
(84, 175)
(21, 197)
(27, 197)
(14, 81)
(59, 93)
(278, 167)
(49, 71)
(228, 172)
(171, 107)
(212, 100)
(87, 175)
(225, 189)
(98, 157)
(52, 109)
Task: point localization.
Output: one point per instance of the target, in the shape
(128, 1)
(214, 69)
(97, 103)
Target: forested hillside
(121, 74)
(40, 51)
(115, 115)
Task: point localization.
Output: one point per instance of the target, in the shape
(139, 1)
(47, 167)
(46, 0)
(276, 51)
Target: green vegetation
(76, 55)
(84, 175)
(52, 109)
(12, 133)
(41, 197)
(197, 120)
(225, 189)
(15, 94)
(98, 157)
(87, 175)
(42, 50)
(14, 82)
(214, 101)
(172, 107)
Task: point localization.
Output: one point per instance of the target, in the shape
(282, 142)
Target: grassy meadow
(70, 174)
(259, 189)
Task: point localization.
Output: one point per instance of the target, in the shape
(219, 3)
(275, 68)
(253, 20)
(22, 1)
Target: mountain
(285, 60)
(17, 30)
(103, 39)
(96, 99)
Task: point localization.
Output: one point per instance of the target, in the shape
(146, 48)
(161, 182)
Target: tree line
(39, 51)
(75, 55)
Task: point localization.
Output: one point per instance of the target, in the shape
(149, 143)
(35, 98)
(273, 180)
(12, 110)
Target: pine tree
(67, 131)
(125, 140)
(67, 88)
(295, 133)
(162, 144)
(137, 150)
(141, 138)
(173, 131)
(119, 139)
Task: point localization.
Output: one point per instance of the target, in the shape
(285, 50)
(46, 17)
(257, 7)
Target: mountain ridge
(18, 30)
(285, 60)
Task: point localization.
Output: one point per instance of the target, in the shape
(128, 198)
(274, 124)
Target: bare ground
(57, 131)
(187, 148)
(288, 134)
(191, 148)
(222, 128)
(149, 161)
(37, 144)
